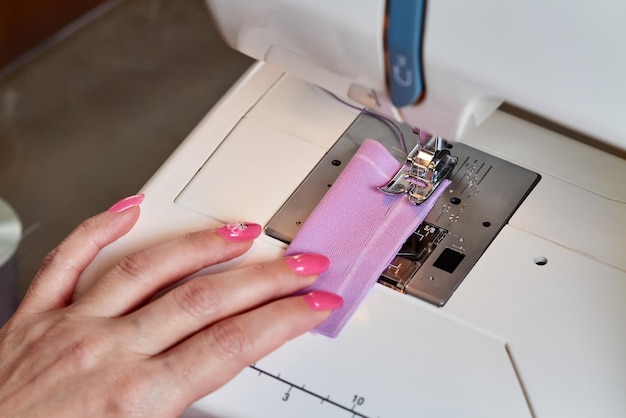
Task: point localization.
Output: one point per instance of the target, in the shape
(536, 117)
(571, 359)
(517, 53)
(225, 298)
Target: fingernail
(323, 301)
(308, 264)
(239, 232)
(127, 203)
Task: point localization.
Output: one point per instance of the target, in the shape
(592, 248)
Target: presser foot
(422, 173)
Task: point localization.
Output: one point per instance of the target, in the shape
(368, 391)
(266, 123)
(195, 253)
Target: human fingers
(53, 285)
(138, 276)
(212, 357)
(204, 300)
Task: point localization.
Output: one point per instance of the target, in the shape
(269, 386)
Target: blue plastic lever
(404, 48)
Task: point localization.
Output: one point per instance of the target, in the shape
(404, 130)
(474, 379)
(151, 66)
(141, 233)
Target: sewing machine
(516, 299)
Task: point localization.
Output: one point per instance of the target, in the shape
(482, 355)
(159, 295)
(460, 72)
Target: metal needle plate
(484, 193)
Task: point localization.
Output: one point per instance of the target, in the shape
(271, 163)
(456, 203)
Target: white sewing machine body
(535, 329)
(560, 59)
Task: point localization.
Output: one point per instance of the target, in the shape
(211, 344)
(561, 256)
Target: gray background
(88, 119)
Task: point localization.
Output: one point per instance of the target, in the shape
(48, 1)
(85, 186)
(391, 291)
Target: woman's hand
(118, 351)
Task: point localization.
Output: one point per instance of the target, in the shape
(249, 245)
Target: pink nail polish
(308, 264)
(323, 301)
(127, 203)
(239, 232)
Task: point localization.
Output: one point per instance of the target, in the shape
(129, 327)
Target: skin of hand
(118, 351)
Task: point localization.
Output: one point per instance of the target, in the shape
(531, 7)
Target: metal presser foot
(426, 166)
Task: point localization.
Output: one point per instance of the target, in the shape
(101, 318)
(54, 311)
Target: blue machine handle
(404, 50)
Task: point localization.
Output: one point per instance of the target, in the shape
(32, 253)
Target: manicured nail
(322, 301)
(308, 264)
(239, 232)
(126, 203)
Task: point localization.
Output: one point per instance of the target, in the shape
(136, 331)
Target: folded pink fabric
(360, 229)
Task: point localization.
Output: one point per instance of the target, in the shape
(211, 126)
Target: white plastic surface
(265, 179)
(440, 369)
(563, 322)
(558, 59)
(334, 44)
(580, 199)
(243, 166)
(554, 333)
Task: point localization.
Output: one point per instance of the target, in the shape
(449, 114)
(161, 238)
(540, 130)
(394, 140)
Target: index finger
(205, 300)
(140, 275)
(55, 281)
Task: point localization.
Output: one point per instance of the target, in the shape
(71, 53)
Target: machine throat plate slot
(484, 193)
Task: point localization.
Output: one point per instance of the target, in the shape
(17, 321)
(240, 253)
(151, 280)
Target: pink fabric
(360, 229)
